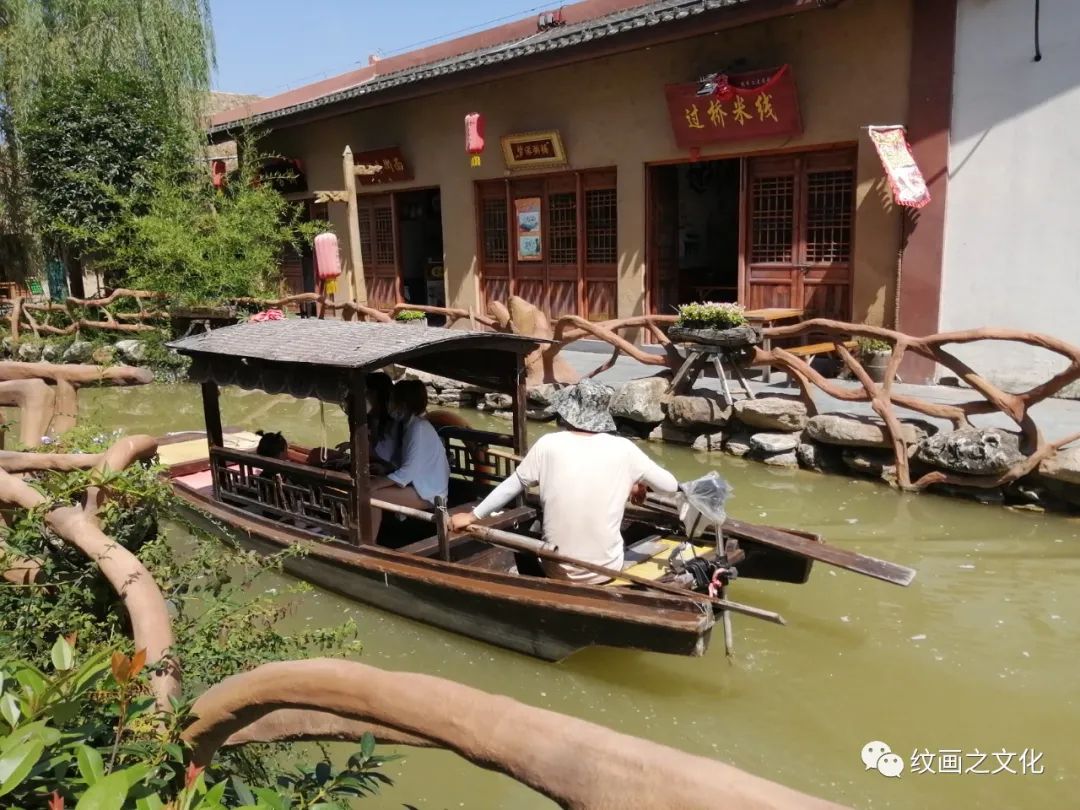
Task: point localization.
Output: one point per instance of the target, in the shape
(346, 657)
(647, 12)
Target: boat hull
(541, 618)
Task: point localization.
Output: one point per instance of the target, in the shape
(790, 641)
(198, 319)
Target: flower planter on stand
(875, 364)
(731, 339)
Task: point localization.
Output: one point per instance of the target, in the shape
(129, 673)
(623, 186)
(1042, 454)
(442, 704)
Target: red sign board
(906, 181)
(394, 167)
(760, 104)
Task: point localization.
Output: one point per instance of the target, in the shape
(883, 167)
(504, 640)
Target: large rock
(1063, 466)
(29, 352)
(103, 355)
(873, 463)
(709, 442)
(541, 394)
(769, 443)
(860, 431)
(706, 409)
(639, 401)
(772, 413)
(79, 352)
(9, 346)
(498, 402)
(738, 443)
(131, 351)
(674, 435)
(52, 353)
(789, 460)
(971, 451)
(819, 457)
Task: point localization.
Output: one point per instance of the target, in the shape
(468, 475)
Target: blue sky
(267, 46)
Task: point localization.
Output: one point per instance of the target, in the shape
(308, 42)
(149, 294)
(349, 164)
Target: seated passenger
(383, 433)
(273, 445)
(424, 472)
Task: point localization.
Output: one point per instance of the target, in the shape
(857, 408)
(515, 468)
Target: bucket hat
(585, 407)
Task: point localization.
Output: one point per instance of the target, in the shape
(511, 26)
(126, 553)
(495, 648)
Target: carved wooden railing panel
(284, 490)
(477, 455)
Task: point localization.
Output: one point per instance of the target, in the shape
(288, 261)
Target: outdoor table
(767, 317)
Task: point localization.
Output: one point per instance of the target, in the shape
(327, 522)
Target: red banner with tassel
(906, 181)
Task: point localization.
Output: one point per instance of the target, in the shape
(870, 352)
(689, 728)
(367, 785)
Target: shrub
(711, 315)
(409, 315)
(869, 346)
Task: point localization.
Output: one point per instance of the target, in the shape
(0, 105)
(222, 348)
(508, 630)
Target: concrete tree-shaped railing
(71, 315)
(576, 763)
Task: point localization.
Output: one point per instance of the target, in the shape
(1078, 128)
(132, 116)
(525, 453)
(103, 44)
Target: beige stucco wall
(850, 63)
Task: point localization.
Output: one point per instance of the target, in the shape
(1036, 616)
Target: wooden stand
(698, 357)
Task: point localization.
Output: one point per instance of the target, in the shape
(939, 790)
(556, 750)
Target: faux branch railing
(36, 317)
(520, 317)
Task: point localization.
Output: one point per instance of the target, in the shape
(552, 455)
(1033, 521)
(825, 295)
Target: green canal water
(979, 654)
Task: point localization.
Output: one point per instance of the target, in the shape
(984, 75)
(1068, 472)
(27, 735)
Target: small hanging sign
(527, 218)
(393, 167)
(534, 150)
(906, 181)
(721, 108)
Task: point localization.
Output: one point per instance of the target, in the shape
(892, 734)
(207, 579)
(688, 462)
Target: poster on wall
(906, 181)
(529, 242)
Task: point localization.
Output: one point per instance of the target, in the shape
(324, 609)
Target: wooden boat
(465, 582)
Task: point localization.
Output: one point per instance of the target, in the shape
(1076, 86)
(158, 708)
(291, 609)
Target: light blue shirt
(423, 461)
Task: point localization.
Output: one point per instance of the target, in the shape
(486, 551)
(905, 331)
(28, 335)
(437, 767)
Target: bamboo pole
(356, 259)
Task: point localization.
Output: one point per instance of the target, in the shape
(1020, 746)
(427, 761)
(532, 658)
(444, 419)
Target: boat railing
(478, 456)
(284, 490)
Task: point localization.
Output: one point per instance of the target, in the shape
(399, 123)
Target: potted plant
(721, 325)
(874, 354)
(412, 317)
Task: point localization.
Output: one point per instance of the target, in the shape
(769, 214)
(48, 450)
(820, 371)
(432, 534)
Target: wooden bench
(809, 351)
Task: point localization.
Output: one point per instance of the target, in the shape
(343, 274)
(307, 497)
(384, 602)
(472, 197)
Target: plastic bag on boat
(702, 502)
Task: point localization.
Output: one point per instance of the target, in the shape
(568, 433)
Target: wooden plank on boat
(831, 555)
(508, 518)
(805, 545)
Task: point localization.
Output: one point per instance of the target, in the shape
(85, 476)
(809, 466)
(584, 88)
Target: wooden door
(663, 239)
(378, 247)
(800, 218)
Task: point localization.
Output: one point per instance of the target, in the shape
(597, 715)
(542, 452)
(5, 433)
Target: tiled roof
(370, 80)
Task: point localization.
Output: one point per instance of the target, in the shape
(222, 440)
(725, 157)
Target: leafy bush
(90, 734)
(409, 315)
(711, 315)
(203, 246)
(869, 346)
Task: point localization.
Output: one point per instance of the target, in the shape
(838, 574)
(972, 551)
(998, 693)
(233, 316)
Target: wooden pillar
(519, 404)
(929, 119)
(214, 437)
(360, 528)
(356, 260)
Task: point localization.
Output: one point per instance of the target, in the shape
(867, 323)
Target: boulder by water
(772, 413)
(79, 352)
(768, 443)
(1063, 467)
(131, 351)
(971, 451)
(861, 431)
(700, 410)
(639, 401)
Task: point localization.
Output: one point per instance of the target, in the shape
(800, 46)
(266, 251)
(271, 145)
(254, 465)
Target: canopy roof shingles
(309, 357)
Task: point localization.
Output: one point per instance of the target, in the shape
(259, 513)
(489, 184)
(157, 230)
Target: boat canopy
(306, 357)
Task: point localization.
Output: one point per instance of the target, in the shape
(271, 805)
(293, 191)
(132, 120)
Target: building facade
(632, 223)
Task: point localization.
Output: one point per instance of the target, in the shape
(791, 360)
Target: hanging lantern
(218, 173)
(474, 137)
(327, 261)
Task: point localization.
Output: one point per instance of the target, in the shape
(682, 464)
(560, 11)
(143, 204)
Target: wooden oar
(514, 542)
(794, 544)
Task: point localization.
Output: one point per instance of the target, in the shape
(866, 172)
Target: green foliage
(225, 620)
(869, 346)
(90, 138)
(202, 246)
(711, 316)
(409, 315)
(87, 734)
(166, 43)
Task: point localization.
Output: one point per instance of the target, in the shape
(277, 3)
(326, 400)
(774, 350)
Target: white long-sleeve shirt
(585, 480)
(423, 460)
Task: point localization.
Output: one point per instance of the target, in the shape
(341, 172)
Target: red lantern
(474, 137)
(218, 172)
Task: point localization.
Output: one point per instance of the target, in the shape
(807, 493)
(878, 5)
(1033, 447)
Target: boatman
(585, 475)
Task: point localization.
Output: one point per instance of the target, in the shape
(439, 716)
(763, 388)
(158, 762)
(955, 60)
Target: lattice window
(496, 247)
(384, 235)
(364, 215)
(828, 216)
(773, 221)
(601, 226)
(562, 228)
